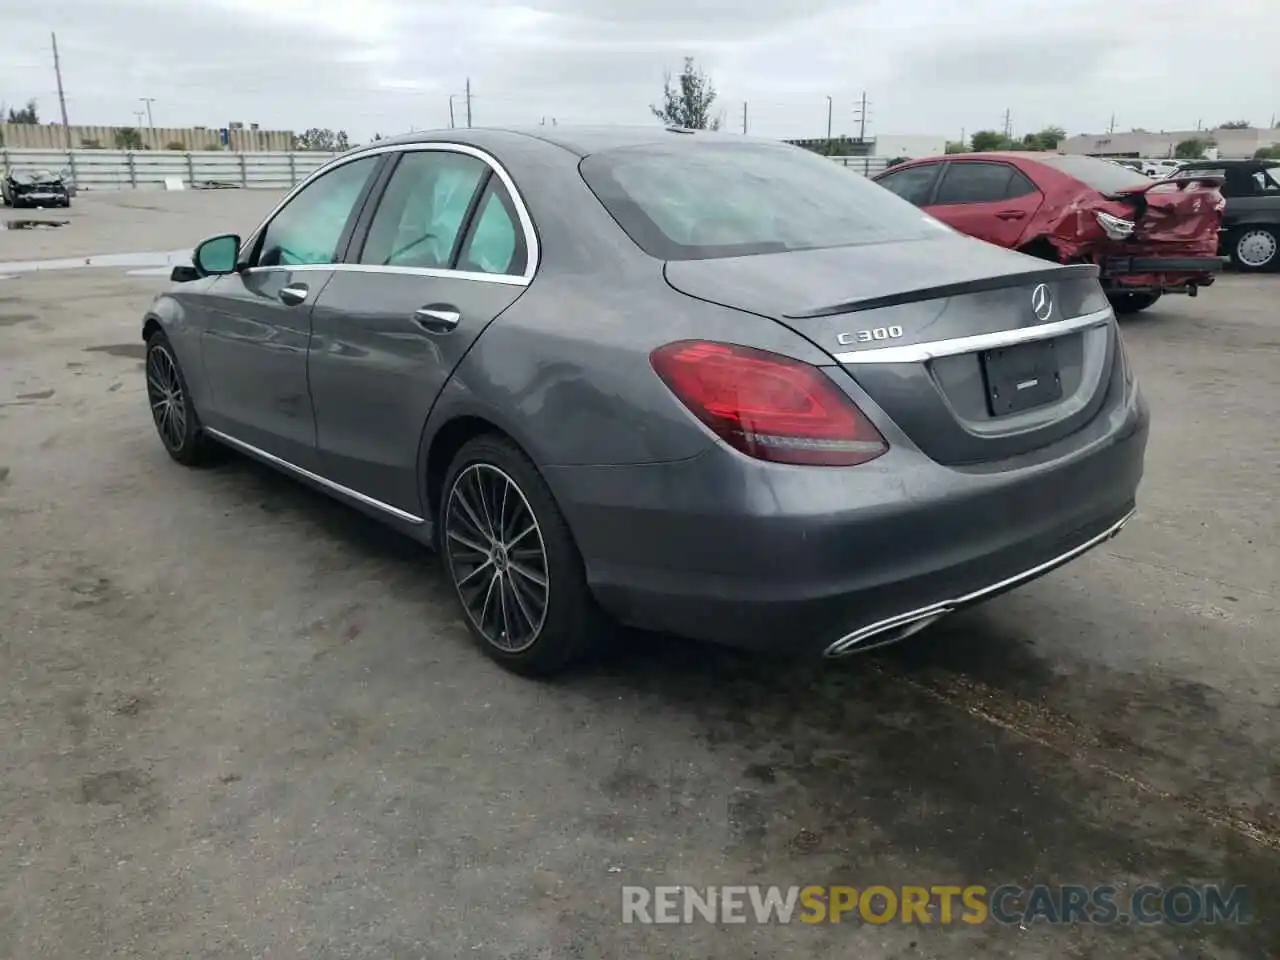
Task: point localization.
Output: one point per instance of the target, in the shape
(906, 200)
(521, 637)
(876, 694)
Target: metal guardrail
(147, 169)
(867, 166)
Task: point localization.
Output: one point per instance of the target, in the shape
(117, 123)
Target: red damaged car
(1147, 237)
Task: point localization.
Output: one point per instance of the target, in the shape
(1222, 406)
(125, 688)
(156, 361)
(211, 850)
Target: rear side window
(423, 208)
(714, 199)
(980, 182)
(914, 184)
(495, 243)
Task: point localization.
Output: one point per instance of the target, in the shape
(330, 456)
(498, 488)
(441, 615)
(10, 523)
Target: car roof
(580, 140)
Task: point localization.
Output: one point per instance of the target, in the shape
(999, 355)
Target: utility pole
(468, 101)
(151, 127)
(451, 96)
(828, 124)
(1008, 124)
(1112, 127)
(744, 118)
(861, 115)
(62, 98)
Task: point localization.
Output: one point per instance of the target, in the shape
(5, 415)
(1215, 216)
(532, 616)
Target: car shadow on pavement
(941, 759)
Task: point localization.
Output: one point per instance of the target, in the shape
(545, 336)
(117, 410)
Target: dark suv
(1251, 221)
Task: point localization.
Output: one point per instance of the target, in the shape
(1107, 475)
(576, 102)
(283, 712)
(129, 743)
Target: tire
(1256, 249)
(531, 641)
(1126, 303)
(179, 428)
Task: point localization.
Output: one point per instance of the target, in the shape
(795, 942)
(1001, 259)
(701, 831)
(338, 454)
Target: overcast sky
(928, 66)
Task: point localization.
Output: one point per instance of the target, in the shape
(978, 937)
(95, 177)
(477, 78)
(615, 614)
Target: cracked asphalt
(238, 719)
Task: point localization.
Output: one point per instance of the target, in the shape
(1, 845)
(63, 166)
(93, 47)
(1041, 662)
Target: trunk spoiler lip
(1075, 271)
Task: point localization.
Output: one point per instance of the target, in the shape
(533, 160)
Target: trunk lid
(977, 353)
(1180, 210)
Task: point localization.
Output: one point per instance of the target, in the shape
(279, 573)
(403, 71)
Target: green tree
(1050, 137)
(1267, 153)
(27, 114)
(128, 138)
(988, 140)
(318, 138)
(688, 103)
(1234, 125)
(1192, 149)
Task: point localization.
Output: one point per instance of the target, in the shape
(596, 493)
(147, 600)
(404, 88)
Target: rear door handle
(1011, 214)
(437, 318)
(293, 294)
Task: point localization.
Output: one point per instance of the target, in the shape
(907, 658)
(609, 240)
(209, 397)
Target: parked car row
(690, 382)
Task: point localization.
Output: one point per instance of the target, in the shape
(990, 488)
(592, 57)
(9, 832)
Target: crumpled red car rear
(1147, 237)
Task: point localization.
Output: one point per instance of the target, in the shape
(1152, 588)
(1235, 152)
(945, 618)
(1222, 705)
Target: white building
(1231, 144)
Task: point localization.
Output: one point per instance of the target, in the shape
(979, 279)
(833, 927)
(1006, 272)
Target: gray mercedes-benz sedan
(691, 382)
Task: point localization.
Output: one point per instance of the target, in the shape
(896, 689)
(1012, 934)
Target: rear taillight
(768, 406)
(1114, 227)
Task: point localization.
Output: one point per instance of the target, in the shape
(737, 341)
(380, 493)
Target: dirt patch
(134, 351)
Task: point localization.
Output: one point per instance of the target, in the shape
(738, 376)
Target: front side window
(913, 184)
(307, 230)
(717, 199)
(423, 209)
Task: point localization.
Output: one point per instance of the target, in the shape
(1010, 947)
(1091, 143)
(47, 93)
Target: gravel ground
(240, 720)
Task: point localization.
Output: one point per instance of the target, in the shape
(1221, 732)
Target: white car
(1161, 168)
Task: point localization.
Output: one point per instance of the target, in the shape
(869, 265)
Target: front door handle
(293, 294)
(437, 318)
(1011, 214)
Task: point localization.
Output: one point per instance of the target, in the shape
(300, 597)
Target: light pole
(451, 96)
(828, 124)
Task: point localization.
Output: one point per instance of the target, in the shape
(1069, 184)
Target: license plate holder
(1021, 377)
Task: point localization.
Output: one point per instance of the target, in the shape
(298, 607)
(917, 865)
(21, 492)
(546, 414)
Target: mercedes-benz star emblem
(1041, 302)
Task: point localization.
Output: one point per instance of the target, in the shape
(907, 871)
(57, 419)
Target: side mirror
(217, 255)
(184, 274)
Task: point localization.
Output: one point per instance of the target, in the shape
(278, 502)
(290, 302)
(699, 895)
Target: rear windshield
(1103, 176)
(707, 200)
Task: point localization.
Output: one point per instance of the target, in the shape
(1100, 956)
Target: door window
(495, 243)
(423, 209)
(309, 228)
(980, 182)
(912, 184)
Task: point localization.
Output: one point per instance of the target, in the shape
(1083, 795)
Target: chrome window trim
(325, 482)
(443, 146)
(923, 352)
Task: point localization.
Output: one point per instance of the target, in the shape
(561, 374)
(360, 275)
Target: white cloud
(929, 66)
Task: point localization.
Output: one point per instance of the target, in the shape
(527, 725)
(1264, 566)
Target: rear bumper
(725, 549)
(1123, 266)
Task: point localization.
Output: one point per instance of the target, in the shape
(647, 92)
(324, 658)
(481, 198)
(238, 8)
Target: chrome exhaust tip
(886, 632)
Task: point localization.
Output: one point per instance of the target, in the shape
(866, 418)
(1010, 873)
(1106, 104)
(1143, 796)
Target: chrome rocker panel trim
(325, 482)
(912, 621)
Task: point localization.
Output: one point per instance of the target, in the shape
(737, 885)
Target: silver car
(691, 382)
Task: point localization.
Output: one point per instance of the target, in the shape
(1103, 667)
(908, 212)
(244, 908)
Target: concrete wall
(1232, 144)
(52, 136)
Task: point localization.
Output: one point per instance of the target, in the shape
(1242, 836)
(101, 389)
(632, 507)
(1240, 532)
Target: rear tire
(1126, 303)
(512, 560)
(175, 417)
(1256, 249)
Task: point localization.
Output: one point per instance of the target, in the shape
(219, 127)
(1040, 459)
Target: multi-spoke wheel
(170, 401)
(512, 560)
(497, 556)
